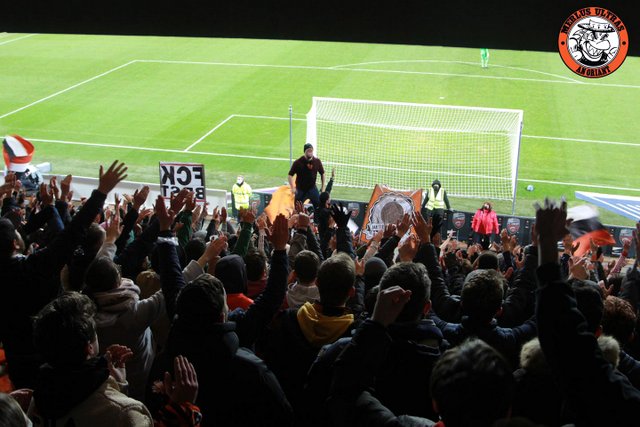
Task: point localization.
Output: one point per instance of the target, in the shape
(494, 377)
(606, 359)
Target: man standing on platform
(433, 205)
(306, 169)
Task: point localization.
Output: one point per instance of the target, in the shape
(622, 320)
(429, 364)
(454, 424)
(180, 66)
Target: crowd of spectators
(116, 313)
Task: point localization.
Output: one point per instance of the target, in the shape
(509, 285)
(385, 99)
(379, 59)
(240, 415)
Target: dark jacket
(288, 351)
(30, 283)
(236, 387)
(250, 323)
(402, 381)
(537, 397)
(507, 341)
(593, 389)
(350, 401)
(517, 306)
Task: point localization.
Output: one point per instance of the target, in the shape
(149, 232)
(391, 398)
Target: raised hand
(197, 214)
(389, 305)
(215, 247)
(507, 274)
(53, 185)
(165, 217)
(185, 386)
(190, 201)
(403, 225)
(303, 221)
(280, 233)
(140, 197)
(389, 230)
(408, 249)
(178, 200)
(109, 179)
(471, 250)
(46, 195)
(246, 215)
(117, 356)
(578, 270)
(339, 215)
(11, 183)
(65, 188)
(261, 221)
(551, 221)
(299, 207)
(113, 229)
(422, 228)
(223, 215)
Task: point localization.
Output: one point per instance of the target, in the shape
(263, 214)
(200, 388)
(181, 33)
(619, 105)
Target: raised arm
(51, 259)
(594, 391)
(251, 324)
(445, 305)
(343, 234)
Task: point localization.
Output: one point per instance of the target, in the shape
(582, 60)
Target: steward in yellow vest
(241, 194)
(434, 203)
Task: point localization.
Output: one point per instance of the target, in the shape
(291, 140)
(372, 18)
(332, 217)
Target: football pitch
(86, 100)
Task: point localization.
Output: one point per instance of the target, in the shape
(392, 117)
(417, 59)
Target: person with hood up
(232, 272)
(435, 200)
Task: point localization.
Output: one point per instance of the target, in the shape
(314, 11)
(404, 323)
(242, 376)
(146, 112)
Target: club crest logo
(513, 225)
(625, 234)
(458, 220)
(593, 42)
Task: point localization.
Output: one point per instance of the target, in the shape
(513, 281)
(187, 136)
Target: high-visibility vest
(241, 195)
(436, 201)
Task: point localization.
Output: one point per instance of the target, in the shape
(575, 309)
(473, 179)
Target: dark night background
(521, 25)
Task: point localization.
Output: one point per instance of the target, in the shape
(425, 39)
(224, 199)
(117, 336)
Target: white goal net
(473, 151)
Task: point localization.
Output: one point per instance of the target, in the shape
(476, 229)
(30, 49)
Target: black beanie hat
(307, 146)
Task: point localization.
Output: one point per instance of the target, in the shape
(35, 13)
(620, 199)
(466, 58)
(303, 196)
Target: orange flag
(281, 203)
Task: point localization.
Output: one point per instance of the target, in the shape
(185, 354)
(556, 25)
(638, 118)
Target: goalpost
(473, 151)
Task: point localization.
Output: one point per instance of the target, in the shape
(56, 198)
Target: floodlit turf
(151, 109)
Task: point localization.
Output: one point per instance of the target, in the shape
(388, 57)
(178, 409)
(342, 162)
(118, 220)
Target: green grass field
(85, 100)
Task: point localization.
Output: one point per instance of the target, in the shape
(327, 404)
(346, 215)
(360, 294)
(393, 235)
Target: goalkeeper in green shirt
(484, 57)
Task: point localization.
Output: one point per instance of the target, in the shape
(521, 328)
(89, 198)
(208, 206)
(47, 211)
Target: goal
(473, 151)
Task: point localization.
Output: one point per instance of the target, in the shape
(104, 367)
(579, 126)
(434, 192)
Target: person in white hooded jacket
(124, 318)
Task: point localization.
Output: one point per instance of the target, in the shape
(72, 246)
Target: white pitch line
(282, 159)
(249, 116)
(368, 70)
(158, 150)
(19, 38)
(608, 187)
(553, 138)
(441, 61)
(208, 133)
(594, 141)
(66, 90)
